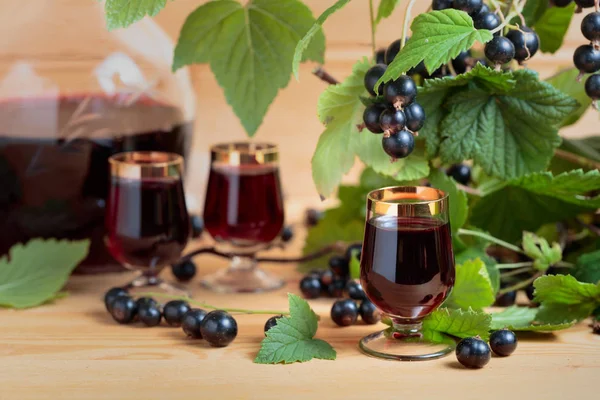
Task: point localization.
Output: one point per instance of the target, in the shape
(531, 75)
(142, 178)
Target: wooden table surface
(73, 350)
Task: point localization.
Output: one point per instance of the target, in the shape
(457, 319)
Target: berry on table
(146, 301)
(149, 314)
(415, 117)
(271, 322)
(488, 20)
(369, 313)
(192, 321)
(561, 3)
(392, 120)
(111, 295)
(587, 59)
(399, 144)
(340, 266)
(197, 224)
(590, 26)
(218, 328)
(184, 271)
(503, 342)
(442, 4)
(344, 312)
(372, 76)
(287, 234)
(326, 278)
(526, 43)
(592, 87)
(380, 56)
(473, 352)
(123, 309)
(500, 50)
(371, 118)
(468, 6)
(355, 290)
(174, 311)
(310, 286)
(336, 287)
(461, 173)
(506, 299)
(400, 92)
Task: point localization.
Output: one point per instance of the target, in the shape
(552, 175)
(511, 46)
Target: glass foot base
(389, 345)
(233, 280)
(146, 283)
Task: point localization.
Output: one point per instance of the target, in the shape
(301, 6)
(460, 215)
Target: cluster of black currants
(217, 327)
(475, 353)
(345, 312)
(587, 56)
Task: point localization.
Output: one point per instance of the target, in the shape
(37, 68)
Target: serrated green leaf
(459, 323)
(310, 34)
(556, 314)
(472, 288)
(553, 26)
(292, 338)
(565, 289)
(122, 13)
(541, 198)
(34, 273)
(437, 37)
(484, 77)
(459, 208)
(249, 49)
(471, 254)
(566, 81)
(523, 319)
(588, 268)
(386, 8)
(539, 250)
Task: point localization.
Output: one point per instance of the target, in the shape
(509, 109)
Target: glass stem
(404, 328)
(243, 263)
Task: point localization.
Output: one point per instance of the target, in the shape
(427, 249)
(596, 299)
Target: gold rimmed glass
(407, 269)
(244, 213)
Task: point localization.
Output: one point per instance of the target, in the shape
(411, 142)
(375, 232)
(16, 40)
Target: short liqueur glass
(147, 222)
(407, 269)
(244, 213)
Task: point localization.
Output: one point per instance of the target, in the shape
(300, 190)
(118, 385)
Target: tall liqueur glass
(244, 213)
(407, 269)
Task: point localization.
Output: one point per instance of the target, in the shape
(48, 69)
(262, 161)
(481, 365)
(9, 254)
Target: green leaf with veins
(565, 289)
(507, 135)
(471, 254)
(459, 323)
(34, 273)
(122, 13)
(472, 288)
(539, 250)
(386, 8)
(541, 198)
(553, 26)
(249, 49)
(588, 268)
(314, 30)
(523, 319)
(555, 313)
(459, 208)
(566, 82)
(437, 37)
(292, 338)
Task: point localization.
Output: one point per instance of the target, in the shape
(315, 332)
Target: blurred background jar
(71, 95)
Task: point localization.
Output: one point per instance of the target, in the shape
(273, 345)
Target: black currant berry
(174, 311)
(506, 299)
(399, 145)
(184, 271)
(585, 3)
(468, 6)
(484, 9)
(123, 309)
(500, 50)
(371, 118)
(461, 62)
(461, 173)
(197, 224)
(526, 43)
(149, 314)
(111, 295)
(392, 120)
(310, 286)
(587, 59)
(340, 266)
(392, 51)
(371, 78)
(473, 353)
(355, 290)
(326, 277)
(400, 92)
(354, 250)
(442, 4)
(287, 234)
(380, 56)
(192, 320)
(336, 287)
(218, 328)
(592, 87)
(503, 342)
(369, 313)
(312, 217)
(488, 20)
(561, 3)
(146, 302)
(344, 312)
(418, 70)
(271, 322)
(590, 26)
(415, 117)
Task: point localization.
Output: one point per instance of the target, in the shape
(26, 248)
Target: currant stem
(373, 27)
(517, 271)
(515, 265)
(574, 158)
(407, 16)
(211, 307)
(591, 228)
(323, 75)
(467, 232)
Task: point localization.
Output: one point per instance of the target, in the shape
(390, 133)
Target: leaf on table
(292, 338)
(518, 318)
(540, 251)
(552, 27)
(386, 8)
(437, 37)
(459, 323)
(557, 314)
(459, 209)
(122, 13)
(472, 288)
(566, 81)
(471, 253)
(588, 268)
(249, 49)
(565, 289)
(34, 273)
(540, 198)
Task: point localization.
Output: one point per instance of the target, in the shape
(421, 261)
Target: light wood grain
(73, 350)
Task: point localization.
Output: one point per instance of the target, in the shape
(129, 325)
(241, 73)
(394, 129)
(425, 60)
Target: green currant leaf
(371, 180)
(437, 37)
(459, 208)
(122, 13)
(541, 198)
(523, 319)
(249, 49)
(386, 8)
(555, 313)
(539, 250)
(565, 289)
(566, 82)
(292, 339)
(471, 254)
(588, 268)
(553, 26)
(472, 288)
(34, 273)
(459, 323)
(315, 29)
(532, 12)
